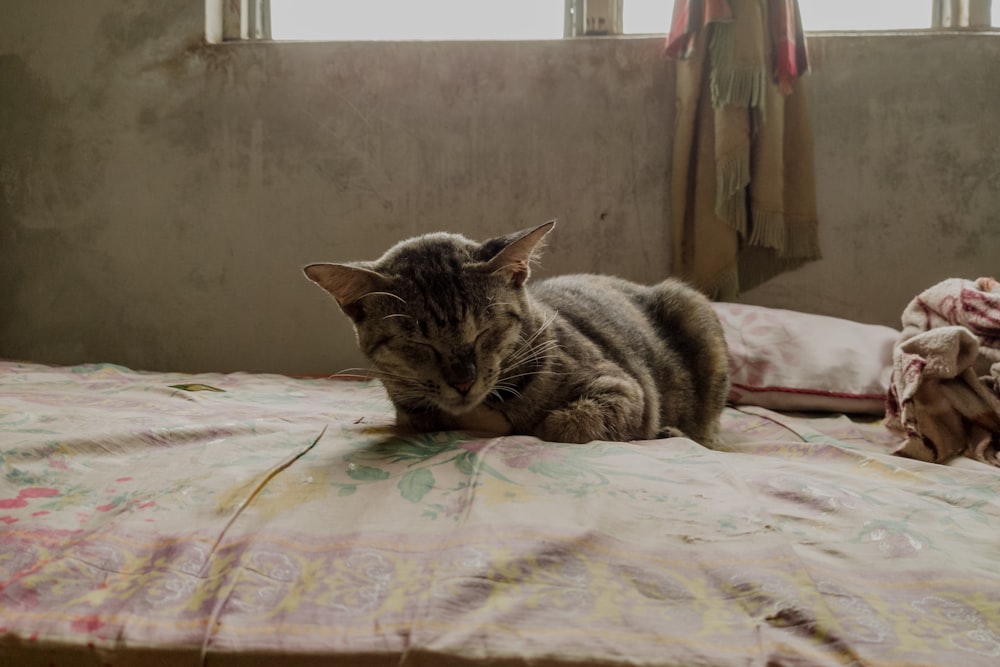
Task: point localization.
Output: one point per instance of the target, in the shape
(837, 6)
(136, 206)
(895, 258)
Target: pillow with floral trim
(786, 360)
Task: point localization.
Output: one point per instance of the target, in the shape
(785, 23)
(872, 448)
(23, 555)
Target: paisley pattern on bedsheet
(287, 517)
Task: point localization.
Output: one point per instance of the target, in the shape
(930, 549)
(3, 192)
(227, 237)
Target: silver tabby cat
(461, 339)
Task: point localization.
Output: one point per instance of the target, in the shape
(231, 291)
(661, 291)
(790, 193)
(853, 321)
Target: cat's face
(441, 318)
(444, 346)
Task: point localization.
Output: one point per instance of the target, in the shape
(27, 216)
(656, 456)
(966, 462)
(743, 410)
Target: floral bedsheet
(169, 519)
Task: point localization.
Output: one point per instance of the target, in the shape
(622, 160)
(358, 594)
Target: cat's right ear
(347, 284)
(514, 259)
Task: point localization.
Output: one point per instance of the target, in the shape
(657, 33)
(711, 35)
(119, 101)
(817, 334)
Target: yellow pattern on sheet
(140, 520)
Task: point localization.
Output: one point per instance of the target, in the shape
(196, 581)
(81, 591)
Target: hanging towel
(743, 189)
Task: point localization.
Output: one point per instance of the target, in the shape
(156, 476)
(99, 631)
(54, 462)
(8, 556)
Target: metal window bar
(237, 20)
(962, 14)
(593, 17)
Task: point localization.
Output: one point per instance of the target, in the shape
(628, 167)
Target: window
(646, 16)
(856, 15)
(542, 19)
(409, 19)
(865, 14)
(456, 19)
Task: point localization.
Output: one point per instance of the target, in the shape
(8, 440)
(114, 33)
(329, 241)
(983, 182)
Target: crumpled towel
(943, 394)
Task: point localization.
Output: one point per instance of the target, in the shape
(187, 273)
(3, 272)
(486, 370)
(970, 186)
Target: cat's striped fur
(461, 338)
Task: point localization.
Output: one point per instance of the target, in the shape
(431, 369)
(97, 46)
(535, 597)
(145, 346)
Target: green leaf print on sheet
(414, 484)
(409, 462)
(438, 471)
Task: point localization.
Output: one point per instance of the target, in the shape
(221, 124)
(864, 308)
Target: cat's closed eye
(483, 334)
(423, 347)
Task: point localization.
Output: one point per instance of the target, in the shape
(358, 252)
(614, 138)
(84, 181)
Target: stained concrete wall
(907, 134)
(157, 195)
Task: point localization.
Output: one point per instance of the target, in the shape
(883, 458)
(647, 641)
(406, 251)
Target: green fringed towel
(744, 202)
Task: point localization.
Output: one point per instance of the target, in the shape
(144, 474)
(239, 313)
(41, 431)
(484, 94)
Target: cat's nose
(464, 387)
(461, 376)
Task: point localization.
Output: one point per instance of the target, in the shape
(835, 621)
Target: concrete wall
(907, 134)
(158, 195)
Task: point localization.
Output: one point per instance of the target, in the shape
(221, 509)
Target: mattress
(248, 519)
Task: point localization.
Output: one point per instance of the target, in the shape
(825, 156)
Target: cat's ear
(514, 258)
(347, 283)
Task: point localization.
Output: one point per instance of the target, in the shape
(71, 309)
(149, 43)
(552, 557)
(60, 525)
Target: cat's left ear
(348, 284)
(514, 258)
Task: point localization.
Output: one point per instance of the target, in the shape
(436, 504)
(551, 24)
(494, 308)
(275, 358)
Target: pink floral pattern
(787, 360)
(944, 398)
(288, 518)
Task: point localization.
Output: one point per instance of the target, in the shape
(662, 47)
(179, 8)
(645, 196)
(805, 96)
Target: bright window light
(646, 16)
(541, 19)
(410, 20)
(865, 14)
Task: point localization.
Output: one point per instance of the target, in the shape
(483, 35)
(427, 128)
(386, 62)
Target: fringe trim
(789, 238)
(758, 265)
(739, 87)
(725, 286)
(742, 85)
(803, 239)
(768, 229)
(733, 212)
(732, 178)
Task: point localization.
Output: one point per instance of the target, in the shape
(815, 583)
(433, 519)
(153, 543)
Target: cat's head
(442, 318)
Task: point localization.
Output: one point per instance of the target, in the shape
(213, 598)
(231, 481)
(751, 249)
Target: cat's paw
(419, 422)
(480, 419)
(671, 432)
(581, 421)
(483, 419)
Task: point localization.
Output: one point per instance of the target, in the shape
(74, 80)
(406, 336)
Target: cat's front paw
(420, 422)
(483, 419)
(480, 419)
(671, 432)
(581, 421)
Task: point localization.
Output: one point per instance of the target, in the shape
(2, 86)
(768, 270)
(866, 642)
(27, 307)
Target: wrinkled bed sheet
(166, 519)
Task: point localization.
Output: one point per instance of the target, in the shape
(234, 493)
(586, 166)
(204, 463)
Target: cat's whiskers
(394, 296)
(543, 326)
(539, 371)
(413, 397)
(530, 352)
(509, 380)
(536, 354)
(533, 356)
(499, 387)
(397, 315)
(527, 344)
(377, 374)
(543, 348)
(506, 268)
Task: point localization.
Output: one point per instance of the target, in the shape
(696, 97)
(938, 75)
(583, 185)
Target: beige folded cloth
(943, 397)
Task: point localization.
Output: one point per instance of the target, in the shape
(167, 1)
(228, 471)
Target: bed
(151, 518)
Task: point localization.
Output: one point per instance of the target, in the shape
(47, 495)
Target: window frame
(250, 20)
(237, 20)
(975, 14)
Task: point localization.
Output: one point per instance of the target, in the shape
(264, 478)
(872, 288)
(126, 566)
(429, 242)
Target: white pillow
(786, 360)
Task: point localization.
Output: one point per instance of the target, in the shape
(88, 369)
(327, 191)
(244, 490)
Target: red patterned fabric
(790, 58)
(787, 37)
(944, 397)
(689, 17)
